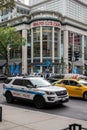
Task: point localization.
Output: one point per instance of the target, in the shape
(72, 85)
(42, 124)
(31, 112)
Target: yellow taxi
(75, 87)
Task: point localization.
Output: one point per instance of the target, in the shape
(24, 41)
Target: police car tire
(9, 97)
(85, 96)
(39, 102)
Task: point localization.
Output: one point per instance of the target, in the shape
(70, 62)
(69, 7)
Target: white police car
(35, 89)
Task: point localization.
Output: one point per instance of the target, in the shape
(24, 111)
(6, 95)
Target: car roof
(78, 80)
(25, 77)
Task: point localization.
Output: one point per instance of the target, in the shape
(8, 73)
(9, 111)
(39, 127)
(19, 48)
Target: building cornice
(45, 11)
(24, 19)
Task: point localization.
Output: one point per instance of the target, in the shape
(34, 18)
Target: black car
(2, 77)
(55, 77)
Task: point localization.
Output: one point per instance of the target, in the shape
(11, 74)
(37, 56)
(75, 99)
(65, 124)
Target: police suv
(35, 89)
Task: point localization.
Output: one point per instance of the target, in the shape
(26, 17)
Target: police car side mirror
(35, 86)
(29, 86)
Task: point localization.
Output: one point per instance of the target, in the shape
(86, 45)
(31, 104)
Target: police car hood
(51, 88)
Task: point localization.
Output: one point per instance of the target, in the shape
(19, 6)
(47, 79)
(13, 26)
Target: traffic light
(70, 54)
(76, 55)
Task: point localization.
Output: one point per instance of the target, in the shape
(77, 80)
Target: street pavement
(14, 118)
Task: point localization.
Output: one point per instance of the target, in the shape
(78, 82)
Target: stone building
(55, 33)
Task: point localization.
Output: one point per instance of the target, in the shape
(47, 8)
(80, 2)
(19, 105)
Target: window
(22, 82)
(36, 44)
(75, 44)
(7, 81)
(21, 10)
(85, 48)
(73, 83)
(66, 82)
(18, 82)
(29, 43)
(27, 82)
(47, 41)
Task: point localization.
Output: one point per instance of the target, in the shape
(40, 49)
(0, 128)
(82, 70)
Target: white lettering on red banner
(46, 23)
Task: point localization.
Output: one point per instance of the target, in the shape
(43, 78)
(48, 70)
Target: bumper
(58, 101)
(62, 101)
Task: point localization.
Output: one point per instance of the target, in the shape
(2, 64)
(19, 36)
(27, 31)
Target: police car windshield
(40, 82)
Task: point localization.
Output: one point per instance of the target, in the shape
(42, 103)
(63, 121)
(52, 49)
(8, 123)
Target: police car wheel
(9, 97)
(39, 102)
(85, 96)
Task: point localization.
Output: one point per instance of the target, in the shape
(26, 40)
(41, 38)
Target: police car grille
(60, 93)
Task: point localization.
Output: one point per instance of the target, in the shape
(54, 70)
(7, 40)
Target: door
(27, 89)
(76, 89)
(16, 88)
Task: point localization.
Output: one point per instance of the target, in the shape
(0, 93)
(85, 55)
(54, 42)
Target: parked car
(35, 89)
(75, 87)
(55, 77)
(2, 77)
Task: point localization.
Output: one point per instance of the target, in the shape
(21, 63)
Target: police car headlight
(50, 93)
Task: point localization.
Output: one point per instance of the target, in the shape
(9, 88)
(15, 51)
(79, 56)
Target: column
(24, 53)
(41, 51)
(60, 56)
(83, 52)
(32, 48)
(53, 49)
(66, 49)
(59, 44)
(73, 57)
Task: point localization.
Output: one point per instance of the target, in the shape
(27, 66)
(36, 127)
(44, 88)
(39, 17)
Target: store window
(29, 44)
(56, 43)
(77, 46)
(74, 46)
(47, 41)
(62, 43)
(36, 42)
(85, 48)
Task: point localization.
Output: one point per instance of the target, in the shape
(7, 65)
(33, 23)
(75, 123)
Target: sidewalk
(14, 118)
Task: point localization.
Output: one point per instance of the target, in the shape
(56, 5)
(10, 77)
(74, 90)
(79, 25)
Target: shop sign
(46, 23)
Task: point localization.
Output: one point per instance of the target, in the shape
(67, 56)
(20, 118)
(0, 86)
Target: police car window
(18, 82)
(27, 82)
(7, 81)
(39, 82)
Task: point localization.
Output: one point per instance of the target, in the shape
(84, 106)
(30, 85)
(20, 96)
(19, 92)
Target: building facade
(55, 33)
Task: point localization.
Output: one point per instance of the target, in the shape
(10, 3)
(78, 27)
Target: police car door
(17, 88)
(27, 90)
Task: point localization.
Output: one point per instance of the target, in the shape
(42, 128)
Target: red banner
(46, 23)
